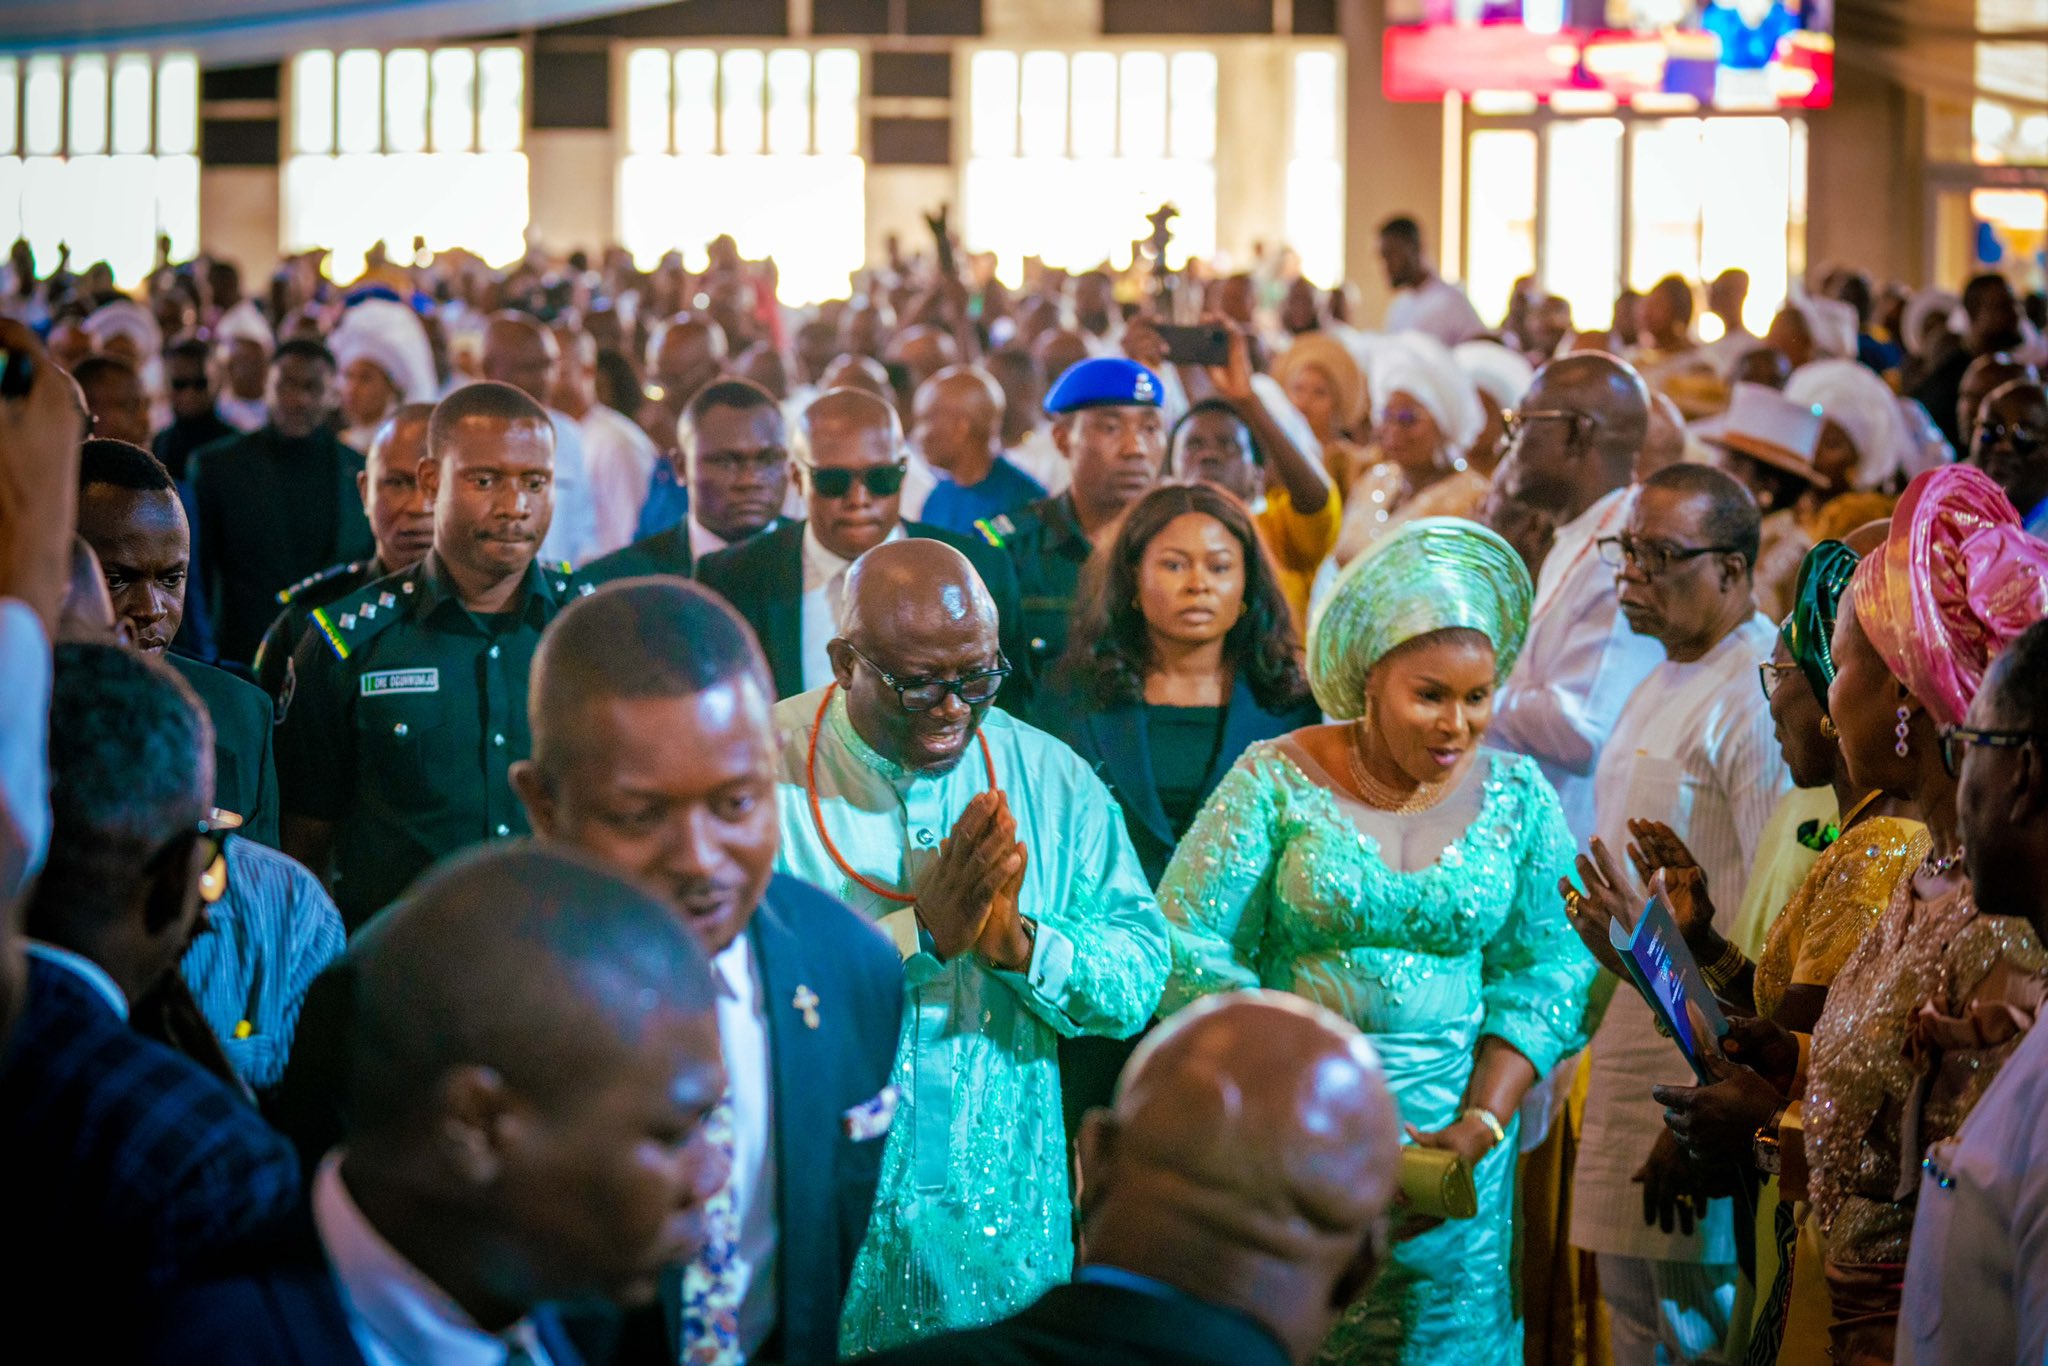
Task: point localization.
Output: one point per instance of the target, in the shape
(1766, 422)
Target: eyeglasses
(211, 837)
(1653, 558)
(2023, 438)
(1770, 672)
(883, 481)
(1515, 424)
(767, 460)
(1956, 741)
(923, 694)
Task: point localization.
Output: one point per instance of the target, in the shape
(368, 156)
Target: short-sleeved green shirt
(404, 717)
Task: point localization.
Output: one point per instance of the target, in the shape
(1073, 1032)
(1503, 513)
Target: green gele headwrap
(1434, 574)
(1809, 630)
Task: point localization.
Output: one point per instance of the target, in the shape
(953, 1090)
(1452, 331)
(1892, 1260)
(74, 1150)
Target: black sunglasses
(1956, 740)
(213, 838)
(922, 694)
(883, 481)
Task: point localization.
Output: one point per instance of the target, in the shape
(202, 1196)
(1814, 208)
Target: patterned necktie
(712, 1284)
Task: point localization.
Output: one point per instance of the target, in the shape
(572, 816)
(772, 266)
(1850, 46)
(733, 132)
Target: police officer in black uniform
(410, 701)
(1108, 423)
(401, 521)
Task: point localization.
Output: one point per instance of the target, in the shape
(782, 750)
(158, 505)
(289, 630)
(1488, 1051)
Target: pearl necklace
(1383, 796)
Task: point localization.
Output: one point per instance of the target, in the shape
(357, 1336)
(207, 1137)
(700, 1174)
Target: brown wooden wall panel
(571, 89)
(1186, 16)
(915, 75)
(910, 142)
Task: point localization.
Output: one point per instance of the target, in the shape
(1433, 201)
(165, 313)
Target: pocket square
(871, 1118)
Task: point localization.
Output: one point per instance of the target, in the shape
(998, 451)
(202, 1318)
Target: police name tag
(387, 682)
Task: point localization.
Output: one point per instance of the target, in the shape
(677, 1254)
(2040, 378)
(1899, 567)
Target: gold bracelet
(1726, 968)
(1489, 1119)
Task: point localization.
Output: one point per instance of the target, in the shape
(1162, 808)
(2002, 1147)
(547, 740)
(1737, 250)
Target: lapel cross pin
(806, 1001)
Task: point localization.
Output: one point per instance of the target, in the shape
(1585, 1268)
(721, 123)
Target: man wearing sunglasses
(195, 405)
(997, 863)
(1976, 1283)
(2012, 447)
(790, 583)
(131, 1167)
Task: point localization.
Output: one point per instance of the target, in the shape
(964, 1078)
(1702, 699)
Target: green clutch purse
(1436, 1182)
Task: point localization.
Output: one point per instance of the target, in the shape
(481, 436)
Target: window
(1068, 153)
(1500, 215)
(763, 145)
(99, 152)
(411, 143)
(1315, 172)
(1582, 217)
(1710, 194)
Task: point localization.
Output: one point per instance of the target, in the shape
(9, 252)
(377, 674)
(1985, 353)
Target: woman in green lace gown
(1391, 869)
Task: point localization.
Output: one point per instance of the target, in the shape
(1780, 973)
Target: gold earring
(1827, 728)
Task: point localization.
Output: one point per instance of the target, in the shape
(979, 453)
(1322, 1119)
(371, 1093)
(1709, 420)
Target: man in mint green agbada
(998, 864)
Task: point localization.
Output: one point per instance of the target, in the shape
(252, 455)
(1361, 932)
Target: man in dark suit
(654, 752)
(538, 1125)
(789, 583)
(277, 504)
(130, 514)
(1234, 1202)
(735, 463)
(128, 1166)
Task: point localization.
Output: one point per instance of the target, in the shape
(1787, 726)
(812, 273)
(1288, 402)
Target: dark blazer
(763, 577)
(244, 768)
(1084, 1323)
(283, 1309)
(128, 1167)
(1116, 741)
(252, 543)
(826, 1181)
(665, 552)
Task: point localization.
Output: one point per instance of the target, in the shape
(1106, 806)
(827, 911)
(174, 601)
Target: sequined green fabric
(1276, 886)
(1809, 631)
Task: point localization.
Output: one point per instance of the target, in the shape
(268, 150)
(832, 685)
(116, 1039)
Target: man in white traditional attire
(1695, 749)
(998, 863)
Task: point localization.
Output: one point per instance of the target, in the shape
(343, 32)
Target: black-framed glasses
(1653, 558)
(2023, 437)
(210, 836)
(922, 694)
(1956, 740)
(731, 464)
(883, 481)
(1515, 422)
(1770, 672)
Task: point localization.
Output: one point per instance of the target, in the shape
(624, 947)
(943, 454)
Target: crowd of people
(576, 814)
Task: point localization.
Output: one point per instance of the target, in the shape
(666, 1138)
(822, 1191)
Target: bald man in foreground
(999, 866)
(1234, 1200)
(533, 1130)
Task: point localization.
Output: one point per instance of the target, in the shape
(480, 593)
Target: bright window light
(10, 98)
(1582, 217)
(1500, 201)
(992, 104)
(425, 145)
(788, 183)
(177, 105)
(43, 107)
(1315, 105)
(1094, 104)
(1194, 105)
(1750, 188)
(88, 106)
(1664, 212)
(1042, 103)
(131, 104)
(1143, 131)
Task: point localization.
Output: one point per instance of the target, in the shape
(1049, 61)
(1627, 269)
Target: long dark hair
(1110, 648)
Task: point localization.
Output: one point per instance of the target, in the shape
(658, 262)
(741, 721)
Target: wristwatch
(1764, 1147)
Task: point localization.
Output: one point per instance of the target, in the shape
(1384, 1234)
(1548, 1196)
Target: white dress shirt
(1437, 307)
(743, 1038)
(397, 1316)
(619, 460)
(24, 747)
(1579, 665)
(824, 590)
(1977, 1276)
(1695, 749)
(243, 414)
(574, 528)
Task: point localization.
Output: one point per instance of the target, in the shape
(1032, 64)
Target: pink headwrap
(1952, 585)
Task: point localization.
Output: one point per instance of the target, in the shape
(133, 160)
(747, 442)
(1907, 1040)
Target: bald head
(1985, 375)
(1664, 444)
(685, 354)
(853, 371)
(956, 420)
(1585, 420)
(923, 351)
(1058, 352)
(917, 611)
(519, 351)
(1250, 1159)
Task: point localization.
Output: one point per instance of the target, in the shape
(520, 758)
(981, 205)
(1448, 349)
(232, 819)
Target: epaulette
(333, 571)
(997, 529)
(348, 622)
(565, 582)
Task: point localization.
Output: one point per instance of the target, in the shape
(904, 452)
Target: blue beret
(1102, 382)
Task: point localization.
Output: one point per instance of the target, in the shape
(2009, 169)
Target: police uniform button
(399, 729)
(494, 652)
(1038, 642)
(498, 740)
(504, 829)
